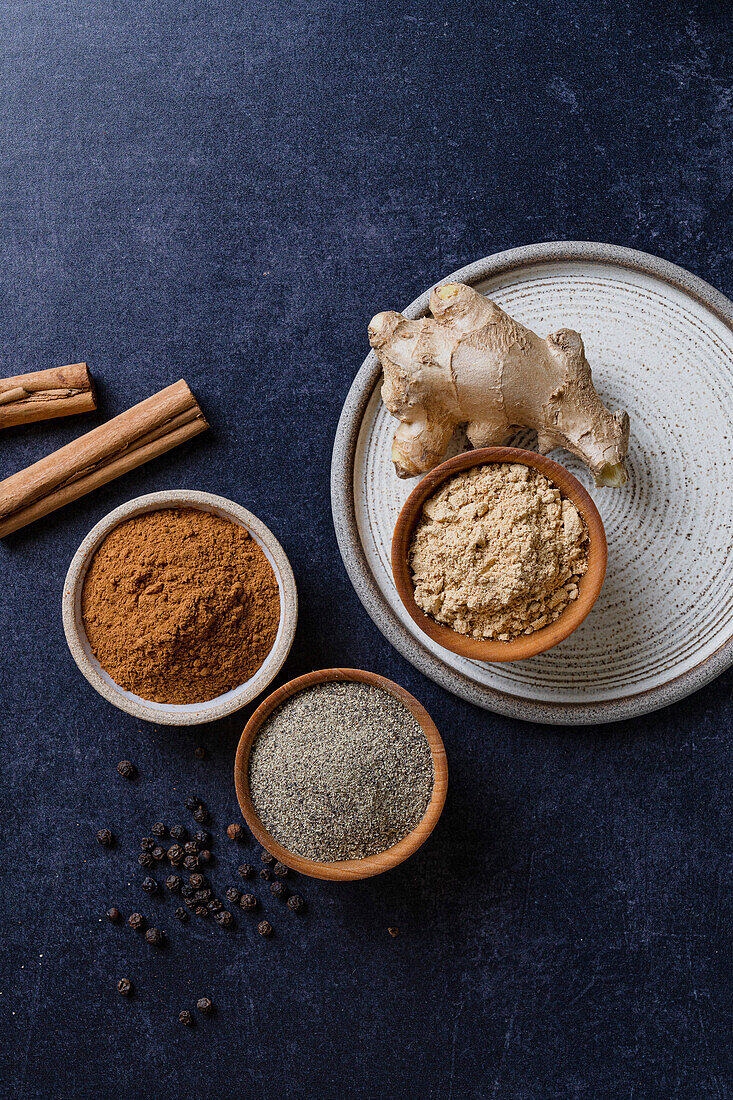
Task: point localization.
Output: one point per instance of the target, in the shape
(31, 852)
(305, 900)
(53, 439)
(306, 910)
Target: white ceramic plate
(660, 343)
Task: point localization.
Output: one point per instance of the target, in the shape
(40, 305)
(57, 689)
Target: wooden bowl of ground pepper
(180, 607)
(341, 763)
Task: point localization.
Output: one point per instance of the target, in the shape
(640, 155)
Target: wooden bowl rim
(526, 645)
(349, 869)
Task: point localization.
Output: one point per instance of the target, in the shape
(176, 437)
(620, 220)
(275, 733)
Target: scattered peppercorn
(205, 856)
(201, 815)
(190, 863)
(265, 875)
(158, 854)
(145, 859)
(201, 838)
(394, 932)
(155, 937)
(224, 918)
(233, 894)
(235, 832)
(279, 890)
(114, 915)
(295, 903)
(181, 914)
(147, 844)
(127, 769)
(215, 905)
(201, 911)
(149, 885)
(187, 891)
(248, 902)
(175, 854)
(264, 928)
(136, 921)
(192, 803)
(266, 856)
(179, 832)
(246, 870)
(186, 1018)
(124, 986)
(196, 880)
(173, 883)
(280, 869)
(204, 1005)
(105, 838)
(200, 752)
(159, 829)
(191, 848)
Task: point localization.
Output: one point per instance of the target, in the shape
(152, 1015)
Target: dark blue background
(227, 191)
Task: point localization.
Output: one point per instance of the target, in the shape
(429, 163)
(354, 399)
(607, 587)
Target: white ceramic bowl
(188, 714)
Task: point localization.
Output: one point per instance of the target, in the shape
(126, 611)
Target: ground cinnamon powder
(180, 605)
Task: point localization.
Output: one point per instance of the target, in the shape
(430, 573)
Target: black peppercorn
(175, 854)
(265, 874)
(179, 832)
(149, 885)
(187, 891)
(136, 921)
(192, 803)
(205, 856)
(173, 883)
(145, 859)
(190, 863)
(191, 848)
(264, 928)
(279, 890)
(155, 937)
(200, 752)
(204, 1005)
(114, 915)
(159, 829)
(181, 914)
(201, 839)
(246, 870)
(124, 986)
(233, 894)
(147, 844)
(196, 880)
(235, 832)
(201, 815)
(224, 918)
(266, 856)
(248, 902)
(202, 897)
(215, 905)
(105, 838)
(296, 904)
(158, 854)
(186, 1018)
(280, 869)
(127, 769)
(394, 932)
(201, 911)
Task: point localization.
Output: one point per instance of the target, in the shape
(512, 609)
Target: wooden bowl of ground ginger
(180, 607)
(341, 774)
(499, 554)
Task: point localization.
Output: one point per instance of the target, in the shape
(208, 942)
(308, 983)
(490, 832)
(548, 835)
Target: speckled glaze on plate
(660, 343)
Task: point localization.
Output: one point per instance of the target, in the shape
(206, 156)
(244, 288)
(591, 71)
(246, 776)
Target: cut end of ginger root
(472, 364)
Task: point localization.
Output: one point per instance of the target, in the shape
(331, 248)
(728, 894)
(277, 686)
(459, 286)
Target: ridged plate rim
(347, 533)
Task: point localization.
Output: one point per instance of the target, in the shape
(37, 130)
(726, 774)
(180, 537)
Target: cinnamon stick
(46, 394)
(143, 432)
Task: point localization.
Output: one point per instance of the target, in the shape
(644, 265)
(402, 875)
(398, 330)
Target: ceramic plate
(660, 343)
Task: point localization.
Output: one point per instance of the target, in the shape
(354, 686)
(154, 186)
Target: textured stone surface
(228, 192)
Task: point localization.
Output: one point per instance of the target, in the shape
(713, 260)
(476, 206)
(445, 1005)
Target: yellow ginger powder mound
(498, 552)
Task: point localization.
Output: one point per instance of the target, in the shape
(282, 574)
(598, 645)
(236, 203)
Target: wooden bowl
(526, 645)
(347, 869)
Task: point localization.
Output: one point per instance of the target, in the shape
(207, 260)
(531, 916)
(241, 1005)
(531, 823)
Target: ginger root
(470, 363)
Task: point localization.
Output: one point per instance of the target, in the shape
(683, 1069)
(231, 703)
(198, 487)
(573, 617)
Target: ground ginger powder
(180, 605)
(498, 552)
